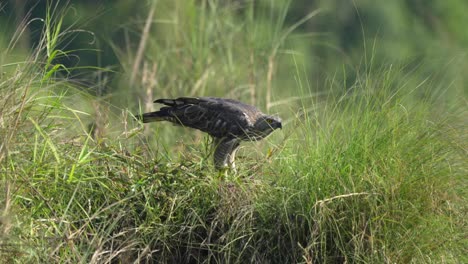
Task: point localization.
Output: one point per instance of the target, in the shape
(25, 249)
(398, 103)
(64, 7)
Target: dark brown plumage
(228, 121)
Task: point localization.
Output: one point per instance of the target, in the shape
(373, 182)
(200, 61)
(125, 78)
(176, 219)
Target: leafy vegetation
(370, 166)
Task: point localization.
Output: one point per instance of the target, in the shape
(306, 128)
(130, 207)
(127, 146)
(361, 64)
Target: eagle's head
(267, 124)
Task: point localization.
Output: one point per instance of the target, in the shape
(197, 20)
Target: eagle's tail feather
(153, 116)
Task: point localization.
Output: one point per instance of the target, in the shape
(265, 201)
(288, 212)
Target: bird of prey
(228, 121)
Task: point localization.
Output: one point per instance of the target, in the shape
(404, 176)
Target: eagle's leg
(232, 163)
(224, 153)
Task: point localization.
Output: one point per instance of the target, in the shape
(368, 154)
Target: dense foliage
(370, 166)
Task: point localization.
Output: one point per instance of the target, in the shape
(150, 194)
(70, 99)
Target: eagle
(228, 121)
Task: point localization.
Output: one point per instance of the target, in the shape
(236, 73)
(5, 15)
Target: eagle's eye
(269, 121)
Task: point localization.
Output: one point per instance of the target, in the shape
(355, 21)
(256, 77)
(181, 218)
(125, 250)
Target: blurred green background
(429, 36)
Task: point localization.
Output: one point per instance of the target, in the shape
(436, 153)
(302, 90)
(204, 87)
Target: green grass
(368, 172)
